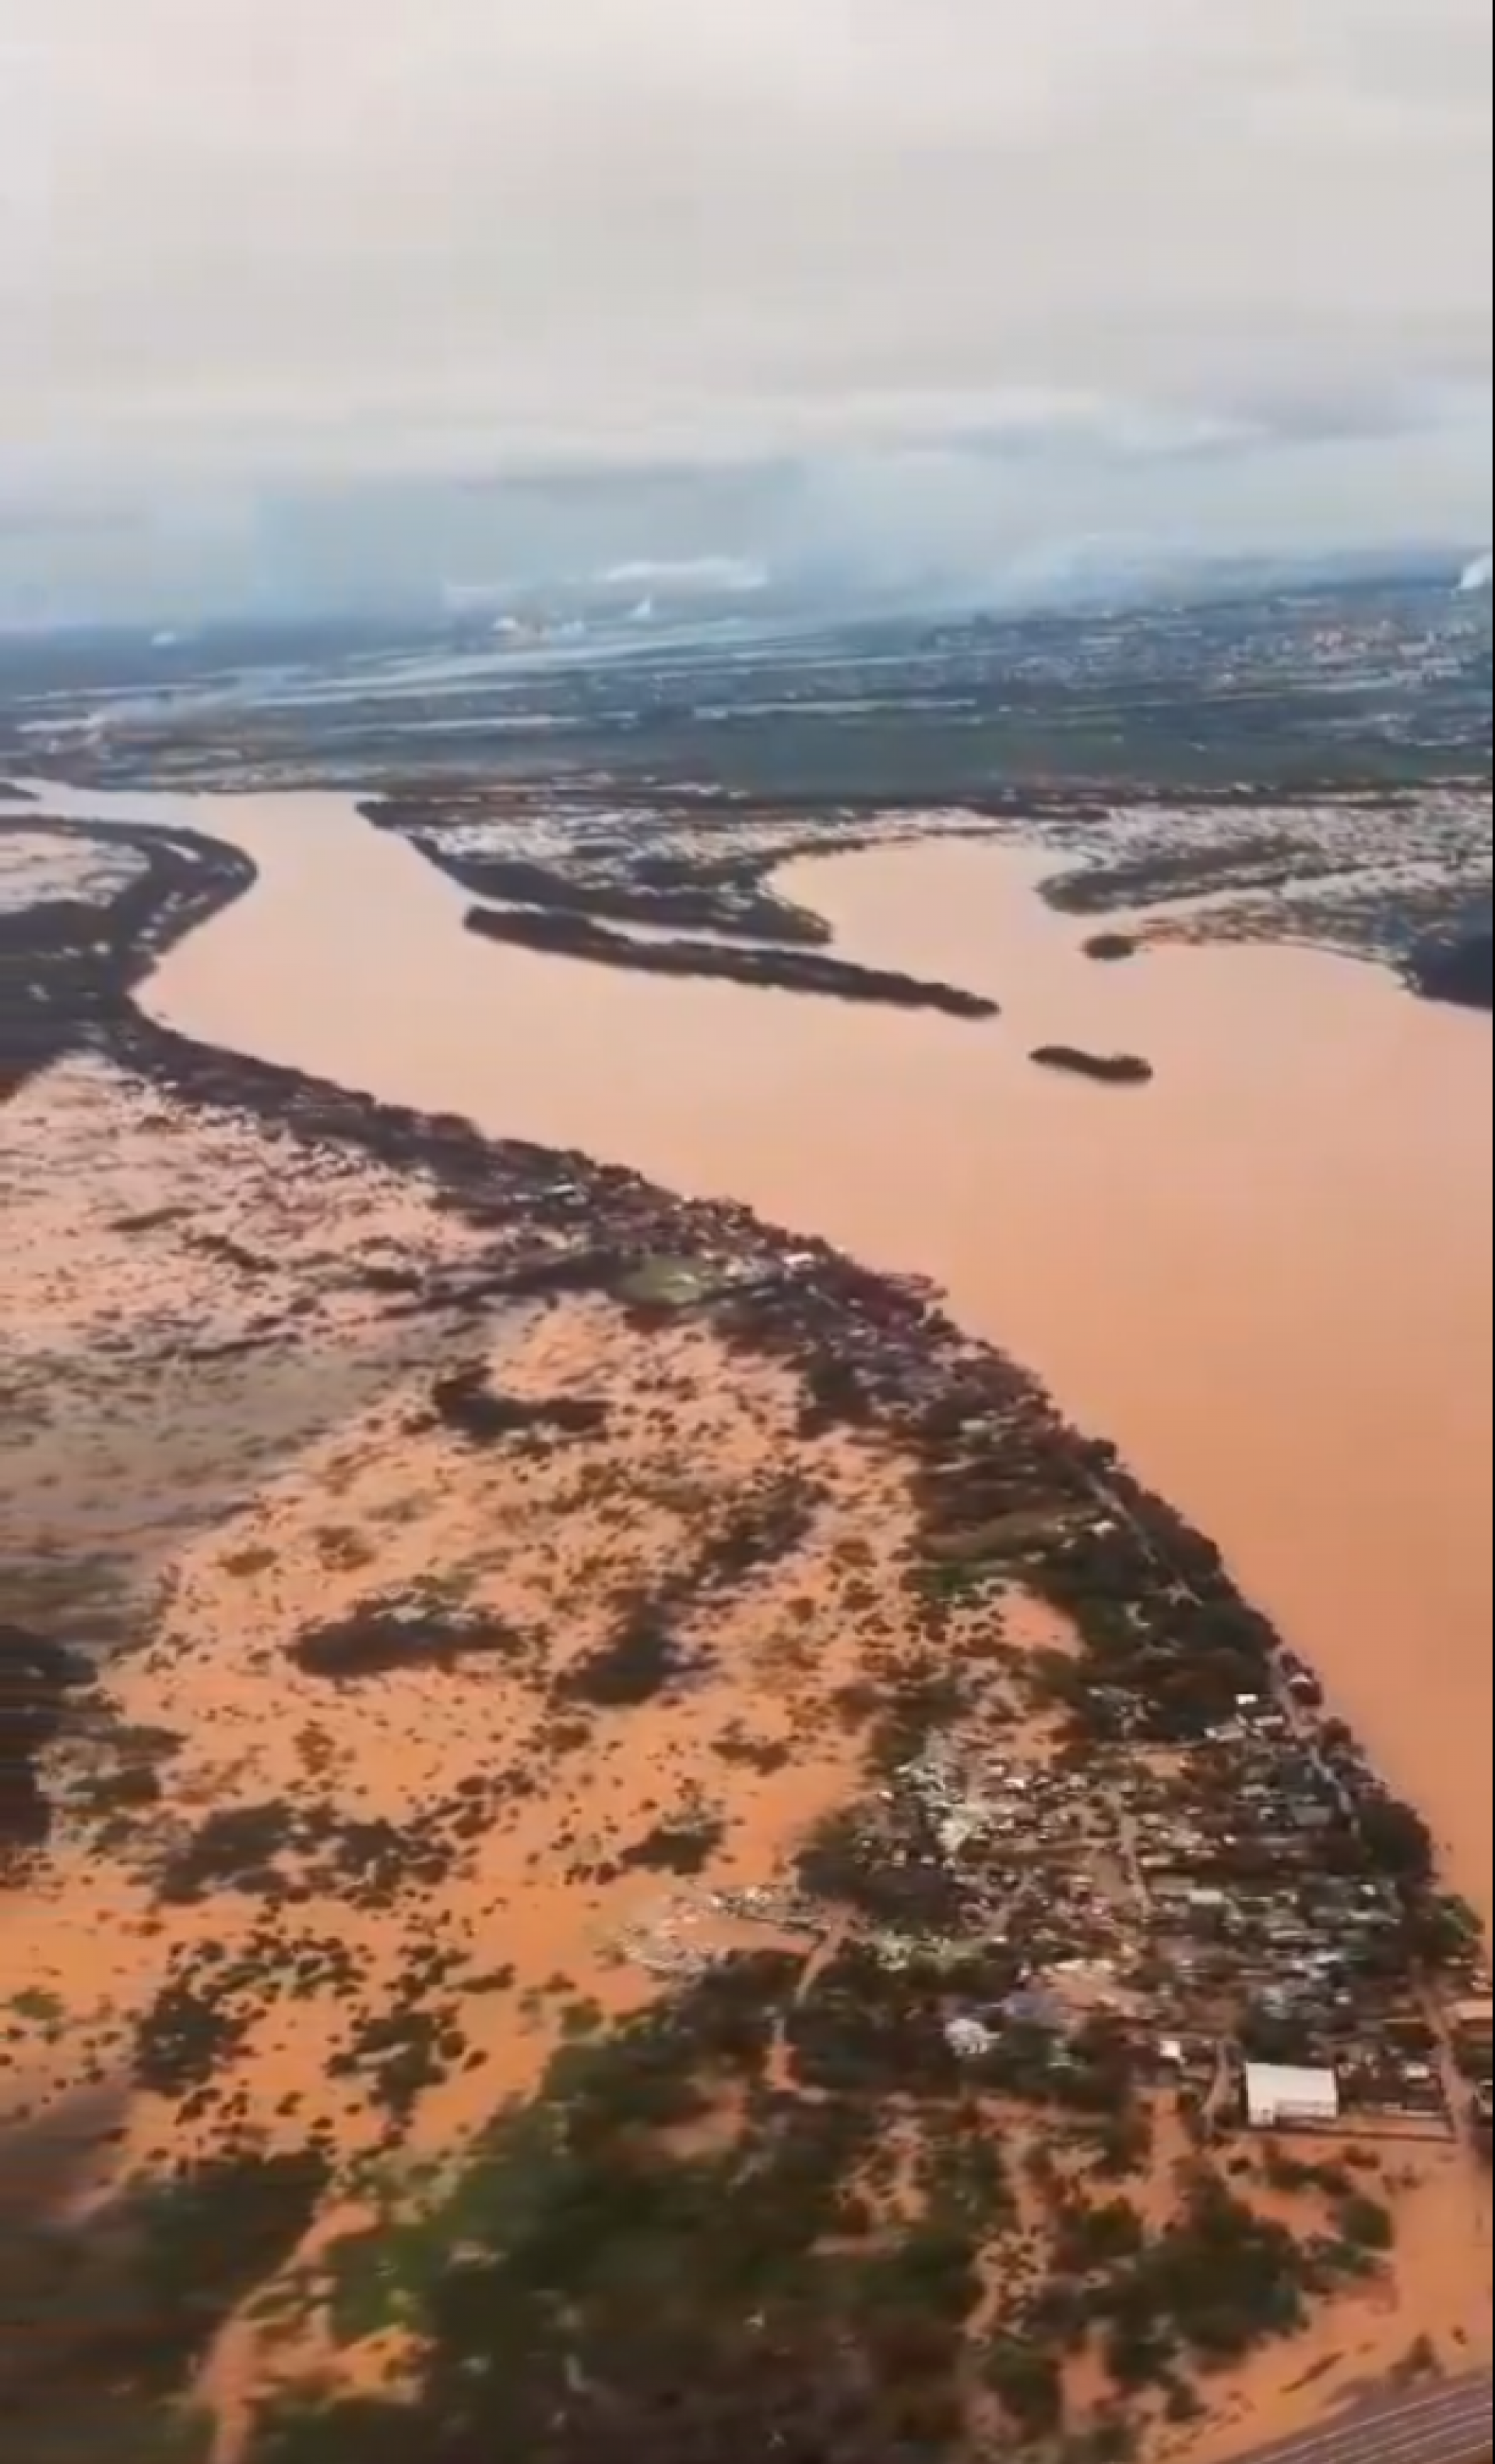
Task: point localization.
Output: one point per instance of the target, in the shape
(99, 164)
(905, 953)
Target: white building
(1280, 2094)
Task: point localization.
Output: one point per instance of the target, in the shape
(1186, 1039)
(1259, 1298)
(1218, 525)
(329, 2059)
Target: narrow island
(1380, 871)
(1111, 1069)
(776, 969)
(624, 882)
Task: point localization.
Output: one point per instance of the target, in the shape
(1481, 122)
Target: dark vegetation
(854, 1859)
(1152, 878)
(781, 970)
(414, 1629)
(763, 1526)
(641, 1657)
(282, 1850)
(236, 1848)
(70, 963)
(400, 2042)
(1111, 945)
(38, 1676)
(644, 1650)
(589, 2291)
(464, 1401)
(102, 2319)
(206, 2239)
(408, 2045)
(1111, 1069)
(683, 1845)
(1455, 967)
(676, 892)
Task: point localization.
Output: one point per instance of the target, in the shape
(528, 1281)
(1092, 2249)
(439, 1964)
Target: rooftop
(1290, 2092)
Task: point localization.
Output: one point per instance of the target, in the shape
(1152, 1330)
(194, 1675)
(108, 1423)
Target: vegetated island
(776, 969)
(1161, 875)
(1395, 874)
(1455, 967)
(611, 875)
(1366, 869)
(920, 2124)
(1113, 1068)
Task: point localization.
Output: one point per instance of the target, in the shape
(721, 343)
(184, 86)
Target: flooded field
(456, 1723)
(1265, 1275)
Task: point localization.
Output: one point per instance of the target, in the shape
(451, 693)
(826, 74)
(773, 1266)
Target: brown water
(1266, 1275)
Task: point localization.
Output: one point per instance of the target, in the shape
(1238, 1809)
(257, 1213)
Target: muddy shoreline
(71, 964)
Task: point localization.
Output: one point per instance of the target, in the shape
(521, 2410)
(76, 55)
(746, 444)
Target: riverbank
(1267, 1278)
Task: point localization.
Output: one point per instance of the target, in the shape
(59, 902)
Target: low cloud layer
(255, 247)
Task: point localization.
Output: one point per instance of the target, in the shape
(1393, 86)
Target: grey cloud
(252, 247)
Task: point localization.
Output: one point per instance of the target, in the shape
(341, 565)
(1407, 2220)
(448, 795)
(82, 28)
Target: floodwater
(1266, 1275)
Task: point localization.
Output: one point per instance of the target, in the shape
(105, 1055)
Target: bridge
(1445, 2423)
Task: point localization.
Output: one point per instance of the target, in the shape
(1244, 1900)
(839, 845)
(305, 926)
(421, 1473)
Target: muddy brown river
(1265, 1275)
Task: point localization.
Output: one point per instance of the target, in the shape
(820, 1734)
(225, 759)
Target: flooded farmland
(1265, 1275)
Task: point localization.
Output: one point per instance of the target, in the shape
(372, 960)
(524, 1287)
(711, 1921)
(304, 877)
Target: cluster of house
(1209, 1893)
(1187, 1895)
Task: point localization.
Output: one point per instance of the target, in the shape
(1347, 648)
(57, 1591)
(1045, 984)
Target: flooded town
(685, 1648)
(747, 956)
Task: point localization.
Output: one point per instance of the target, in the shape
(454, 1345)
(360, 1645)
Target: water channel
(1265, 1275)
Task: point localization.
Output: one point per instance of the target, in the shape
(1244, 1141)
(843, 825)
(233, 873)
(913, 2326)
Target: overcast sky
(1109, 259)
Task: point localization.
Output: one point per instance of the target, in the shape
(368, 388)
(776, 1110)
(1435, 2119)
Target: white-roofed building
(1282, 2095)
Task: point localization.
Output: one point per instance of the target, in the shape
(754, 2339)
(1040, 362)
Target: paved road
(1448, 2424)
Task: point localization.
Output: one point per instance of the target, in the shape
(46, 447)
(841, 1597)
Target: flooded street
(1267, 1276)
